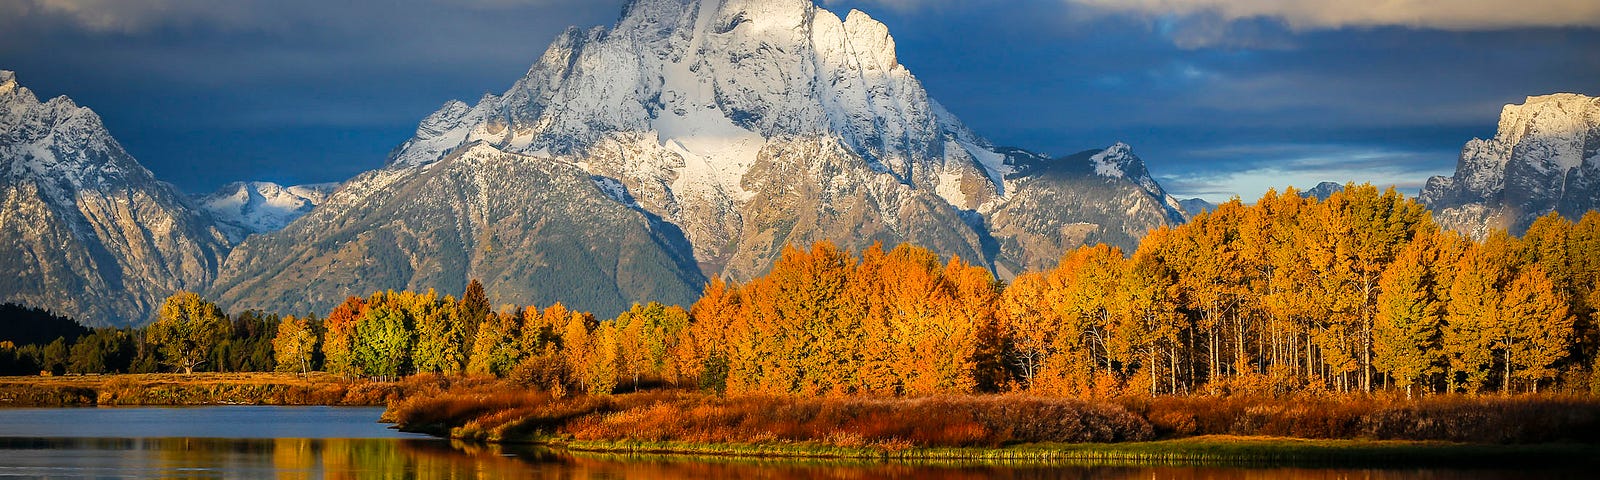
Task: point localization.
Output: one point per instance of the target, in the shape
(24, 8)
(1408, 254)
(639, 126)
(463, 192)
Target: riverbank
(1441, 431)
(195, 389)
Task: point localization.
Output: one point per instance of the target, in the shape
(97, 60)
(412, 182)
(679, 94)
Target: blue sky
(1220, 97)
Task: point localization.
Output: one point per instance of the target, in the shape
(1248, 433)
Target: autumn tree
(711, 334)
(1406, 332)
(1148, 322)
(1538, 327)
(497, 348)
(442, 342)
(295, 344)
(382, 342)
(577, 341)
(186, 328)
(600, 370)
(1472, 316)
(339, 336)
(1027, 326)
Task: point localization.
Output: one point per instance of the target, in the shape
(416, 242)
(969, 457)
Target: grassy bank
(1456, 430)
(195, 389)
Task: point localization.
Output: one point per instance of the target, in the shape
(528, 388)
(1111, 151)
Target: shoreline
(292, 389)
(199, 389)
(1211, 450)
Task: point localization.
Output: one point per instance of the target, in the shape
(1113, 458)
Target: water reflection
(438, 459)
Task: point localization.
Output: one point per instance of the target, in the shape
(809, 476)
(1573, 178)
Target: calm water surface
(348, 443)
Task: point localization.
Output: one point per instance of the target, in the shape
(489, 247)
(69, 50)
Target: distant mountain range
(691, 140)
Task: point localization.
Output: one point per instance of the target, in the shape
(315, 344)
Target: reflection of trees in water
(366, 459)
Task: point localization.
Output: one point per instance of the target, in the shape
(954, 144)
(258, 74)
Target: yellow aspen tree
(976, 294)
(1540, 325)
(498, 347)
(1148, 318)
(577, 341)
(295, 345)
(711, 328)
(1472, 317)
(600, 371)
(1028, 326)
(1407, 329)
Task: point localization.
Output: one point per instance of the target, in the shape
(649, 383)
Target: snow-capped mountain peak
(89, 232)
(722, 130)
(1545, 157)
(1114, 161)
(258, 207)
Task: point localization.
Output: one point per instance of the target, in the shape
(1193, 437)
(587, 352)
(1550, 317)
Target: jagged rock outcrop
(1544, 158)
(738, 125)
(85, 231)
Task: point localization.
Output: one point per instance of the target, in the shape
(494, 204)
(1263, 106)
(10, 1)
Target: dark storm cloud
(206, 92)
(1331, 100)
(1220, 98)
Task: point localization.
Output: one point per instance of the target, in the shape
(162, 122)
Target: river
(326, 442)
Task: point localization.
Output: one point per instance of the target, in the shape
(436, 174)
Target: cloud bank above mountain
(306, 91)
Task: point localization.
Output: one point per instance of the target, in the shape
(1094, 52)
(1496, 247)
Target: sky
(1220, 97)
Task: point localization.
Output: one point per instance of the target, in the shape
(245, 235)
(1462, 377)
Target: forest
(1358, 293)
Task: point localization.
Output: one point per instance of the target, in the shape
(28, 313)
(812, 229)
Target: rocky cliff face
(731, 128)
(85, 230)
(1544, 158)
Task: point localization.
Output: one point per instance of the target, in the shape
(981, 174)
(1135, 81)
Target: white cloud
(1325, 14)
(137, 16)
(1302, 166)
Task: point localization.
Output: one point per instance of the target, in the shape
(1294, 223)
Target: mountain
(1545, 157)
(1323, 190)
(85, 230)
(707, 134)
(248, 208)
(1196, 206)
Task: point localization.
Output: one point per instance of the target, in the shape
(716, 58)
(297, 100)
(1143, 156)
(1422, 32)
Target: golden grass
(195, 389)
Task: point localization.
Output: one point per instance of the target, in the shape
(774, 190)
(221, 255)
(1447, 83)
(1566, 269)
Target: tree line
(1355, 293)
(34, 341)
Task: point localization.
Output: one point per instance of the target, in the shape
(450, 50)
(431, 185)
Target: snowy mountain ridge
(85, 230)
(1544, 157)
(734, 127)
(248, 208)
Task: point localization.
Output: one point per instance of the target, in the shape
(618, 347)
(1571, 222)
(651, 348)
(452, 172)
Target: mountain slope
(746, 125)
(248, 208)
(1545, 157)
(534, 229)
(86, 231)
